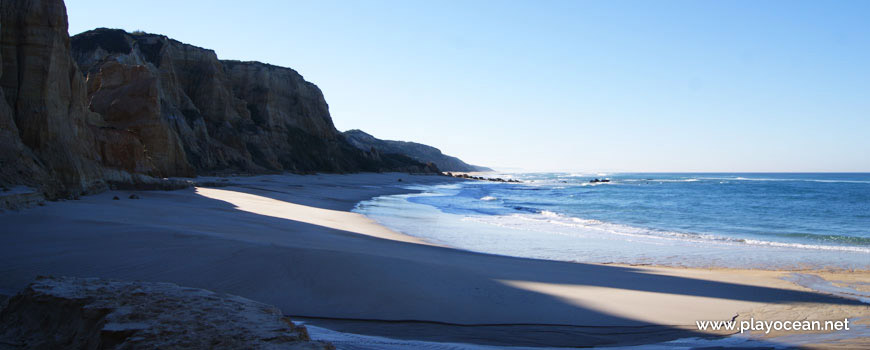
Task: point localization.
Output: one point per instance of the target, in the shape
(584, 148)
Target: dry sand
(291, 241)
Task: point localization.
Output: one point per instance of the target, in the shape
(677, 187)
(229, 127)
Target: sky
(561, 85)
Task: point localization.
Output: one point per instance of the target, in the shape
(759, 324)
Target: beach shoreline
(292, 241)
(661, 220)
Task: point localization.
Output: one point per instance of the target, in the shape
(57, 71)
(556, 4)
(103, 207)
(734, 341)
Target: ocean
(742, 220)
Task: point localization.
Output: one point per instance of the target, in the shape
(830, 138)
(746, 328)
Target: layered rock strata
(109, 108)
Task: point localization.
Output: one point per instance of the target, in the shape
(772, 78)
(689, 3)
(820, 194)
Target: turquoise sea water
(780, 220)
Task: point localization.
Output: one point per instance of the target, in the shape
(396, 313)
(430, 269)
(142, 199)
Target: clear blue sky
(562, 85)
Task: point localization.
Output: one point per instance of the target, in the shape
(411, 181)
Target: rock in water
(89, 313)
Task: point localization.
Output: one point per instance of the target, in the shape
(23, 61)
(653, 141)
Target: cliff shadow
(343, 279)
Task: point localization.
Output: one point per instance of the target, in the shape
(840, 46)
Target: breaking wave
(551, 222)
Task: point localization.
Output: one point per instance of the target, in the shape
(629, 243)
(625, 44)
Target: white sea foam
(351, 341)
(551, 222)
(808, 246)
(550, 235)
(721, 179)
(817, 283)
(659, 180)
(549, 214)
(740, 178)
(573, 175)
(584, 184)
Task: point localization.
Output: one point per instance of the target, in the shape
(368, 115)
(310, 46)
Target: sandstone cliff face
(417, 151)
(144, 107)
(18, 164)
(193, 102)
(90, 313)
(134, 137)
(228, 115)
(44, 94)
(294, 116)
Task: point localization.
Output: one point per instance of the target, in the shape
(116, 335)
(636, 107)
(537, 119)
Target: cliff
(46, 139)
(224, 115)
(110, 108)
(90, 313)
(418, 151)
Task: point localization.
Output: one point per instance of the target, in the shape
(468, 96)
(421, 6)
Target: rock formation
(145, 107)
(226, 116)
(80, 313)
(46, 140)
(135, 136)
(418, 151)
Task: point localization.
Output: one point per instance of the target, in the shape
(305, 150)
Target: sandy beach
(291, 241)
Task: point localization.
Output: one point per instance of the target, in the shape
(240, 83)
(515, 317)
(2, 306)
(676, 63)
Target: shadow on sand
(354, 283)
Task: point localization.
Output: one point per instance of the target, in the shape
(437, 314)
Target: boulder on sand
(90, 313)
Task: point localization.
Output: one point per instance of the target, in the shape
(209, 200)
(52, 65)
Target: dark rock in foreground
(79, 313)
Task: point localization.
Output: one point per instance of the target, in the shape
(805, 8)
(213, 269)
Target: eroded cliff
(115, 108)
(228, 115)
(418, 151)
(46, 140)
